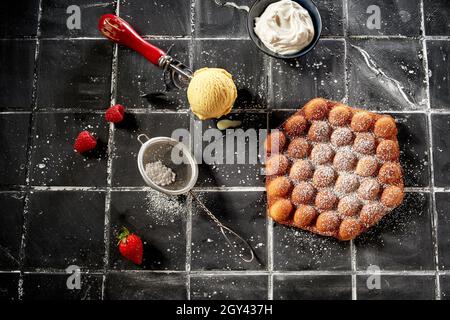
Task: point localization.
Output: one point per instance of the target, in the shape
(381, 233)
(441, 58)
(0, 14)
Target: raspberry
(84, 142)
(115, 113)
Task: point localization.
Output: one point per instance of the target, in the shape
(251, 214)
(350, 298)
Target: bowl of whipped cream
(284, 28)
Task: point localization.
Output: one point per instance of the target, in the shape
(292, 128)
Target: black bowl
(257, 10)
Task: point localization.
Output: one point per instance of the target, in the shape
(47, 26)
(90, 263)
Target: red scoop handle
(118, 30)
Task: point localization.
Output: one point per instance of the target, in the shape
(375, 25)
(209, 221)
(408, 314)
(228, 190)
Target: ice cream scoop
(211, 93)
(176, 74)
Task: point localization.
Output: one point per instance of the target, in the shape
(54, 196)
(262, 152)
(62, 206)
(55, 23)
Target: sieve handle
(242, 244)
(141, 136)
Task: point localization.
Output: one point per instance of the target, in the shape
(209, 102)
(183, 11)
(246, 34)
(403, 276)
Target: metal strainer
(186, 170)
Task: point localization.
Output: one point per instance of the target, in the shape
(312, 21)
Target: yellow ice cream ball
(211, 93)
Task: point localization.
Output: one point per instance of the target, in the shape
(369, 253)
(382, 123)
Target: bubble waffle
(333, 170)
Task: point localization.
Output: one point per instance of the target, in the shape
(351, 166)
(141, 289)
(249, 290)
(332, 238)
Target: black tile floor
(137, 77)
(224, 287)
(74, 74)
(16, 83)
(400, 17)
(60, 209)
(410, 287)
(54, 14)
(312, 287)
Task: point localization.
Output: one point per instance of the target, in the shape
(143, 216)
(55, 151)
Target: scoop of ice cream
(211, 93)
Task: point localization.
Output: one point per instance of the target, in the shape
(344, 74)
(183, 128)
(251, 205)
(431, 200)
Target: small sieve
(186, 170)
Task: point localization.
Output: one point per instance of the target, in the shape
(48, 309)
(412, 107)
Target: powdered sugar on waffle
(345, 165)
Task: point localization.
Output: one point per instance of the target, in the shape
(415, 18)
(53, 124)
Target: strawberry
(115, 113)
(130, 246)
(84, 142)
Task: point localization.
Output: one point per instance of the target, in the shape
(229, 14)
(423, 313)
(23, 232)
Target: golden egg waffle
(333, 170)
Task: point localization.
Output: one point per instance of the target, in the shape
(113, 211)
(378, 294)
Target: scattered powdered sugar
(344, 170)
(321, 154)
(320, 131)
(346, 183)
(163, 208)
(159, 173)
(364, 143)
(323, 176)
(341, 137)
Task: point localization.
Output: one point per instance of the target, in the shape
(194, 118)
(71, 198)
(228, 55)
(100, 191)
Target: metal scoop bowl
(178, 157)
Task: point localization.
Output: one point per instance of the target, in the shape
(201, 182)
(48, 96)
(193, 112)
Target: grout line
(189, 244)
(106, 230)
(31, 38)
(102, 296)
(200, 273)
(99, 271)
(346, 62)
(113, 98)
(434, 219)
(345, 16)
(437, 38)
(346, 73)
(249, 110)
(269, 223)
(434, 215)
(346, 100)
(44, 110)
(99, 38)
(67, 188)
(440, 111)
(186, 111)
(229, 189)
(189, 219)
(417, 189)
(128, 189)
(155, 111)
(270, 257)
(379, 111)
(401, 37)
(30, 140)
(12, 191)
(192, 18)
(187, 37)
(358, 273)
(20, 287)
(210, 273)
(382, 37)
(353, 268)
(188, 286)
(22, 38)
(15, 112)
(23, 188)
(62, 272)
(152, 37)
(101, 111)
(191, 144)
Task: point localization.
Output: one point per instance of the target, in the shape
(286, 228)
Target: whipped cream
(285, 27)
